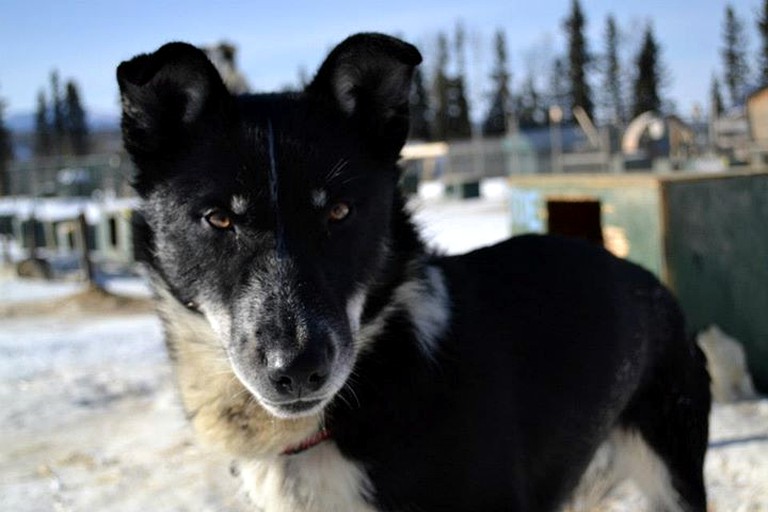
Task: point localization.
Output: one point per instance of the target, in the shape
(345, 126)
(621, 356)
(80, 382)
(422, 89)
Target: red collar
(310, 442)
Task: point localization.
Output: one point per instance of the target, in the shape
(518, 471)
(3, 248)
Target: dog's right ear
(368, 78)
(165, 96)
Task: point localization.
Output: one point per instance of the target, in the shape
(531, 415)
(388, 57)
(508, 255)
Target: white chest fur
(317, 480)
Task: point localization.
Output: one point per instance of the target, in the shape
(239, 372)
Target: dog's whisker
(354, 395)
(337, 169)
(241, 393)
(345, 400)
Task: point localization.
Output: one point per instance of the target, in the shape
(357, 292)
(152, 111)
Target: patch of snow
(495, 189)
(25, 290)
(51, 343)
(15, 289)
(453, 226)
(129, 286)
(90, 421)
(431, 190)
(737, 460)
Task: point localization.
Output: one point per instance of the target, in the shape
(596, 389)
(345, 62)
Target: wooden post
(90, 273)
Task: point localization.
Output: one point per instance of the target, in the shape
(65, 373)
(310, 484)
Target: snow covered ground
(89, 419)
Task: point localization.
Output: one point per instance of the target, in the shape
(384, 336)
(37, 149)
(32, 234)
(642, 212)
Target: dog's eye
(339, 212)
(219, 219)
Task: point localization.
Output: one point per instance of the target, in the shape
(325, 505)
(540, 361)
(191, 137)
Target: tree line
(440, 102)
(625, 88)
(6, 151)
(441, 112)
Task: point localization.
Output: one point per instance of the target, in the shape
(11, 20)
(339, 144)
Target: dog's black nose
(294, 377)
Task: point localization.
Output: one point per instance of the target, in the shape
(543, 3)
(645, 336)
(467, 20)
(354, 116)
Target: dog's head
(270, 214)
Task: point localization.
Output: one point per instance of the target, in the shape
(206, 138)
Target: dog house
(704, 235)
(52, 225)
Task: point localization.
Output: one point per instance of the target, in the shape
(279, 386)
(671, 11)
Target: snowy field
(89, 420)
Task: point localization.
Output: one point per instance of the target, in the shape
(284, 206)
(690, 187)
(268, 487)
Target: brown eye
(338, 212)
(219, 219)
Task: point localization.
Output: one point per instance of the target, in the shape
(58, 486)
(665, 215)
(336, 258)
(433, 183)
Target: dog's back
(554, 348)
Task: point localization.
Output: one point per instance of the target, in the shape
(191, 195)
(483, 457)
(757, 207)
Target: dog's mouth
(295, 408)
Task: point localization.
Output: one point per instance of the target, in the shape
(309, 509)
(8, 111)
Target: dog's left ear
(166, 95)
(368, 76)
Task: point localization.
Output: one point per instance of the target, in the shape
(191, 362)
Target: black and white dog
(347, 367)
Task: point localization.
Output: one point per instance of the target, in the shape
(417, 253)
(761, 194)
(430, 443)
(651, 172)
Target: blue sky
(85, 40)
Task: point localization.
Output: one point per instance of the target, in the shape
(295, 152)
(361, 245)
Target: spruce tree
(74, 121)
(43, 145)
(529, 108)
(304, 78)
(648, 79)
(441, 86)
(459, 127)
(6, 151)
(736, 70)
(58, 124)
(495, 122)
(578, 60)
(612, 87)
(762, 28)
(558, 86)
(458, 112)
(420, 113)
(452, 111)
(716, 97)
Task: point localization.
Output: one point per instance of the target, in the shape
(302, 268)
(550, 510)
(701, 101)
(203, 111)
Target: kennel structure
(52, 226)
(704, 235)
